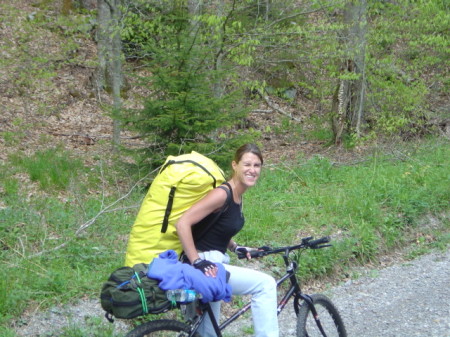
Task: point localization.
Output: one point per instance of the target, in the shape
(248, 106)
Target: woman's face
(248, 169)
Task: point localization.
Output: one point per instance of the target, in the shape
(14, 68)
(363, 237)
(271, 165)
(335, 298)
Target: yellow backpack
(181, 182)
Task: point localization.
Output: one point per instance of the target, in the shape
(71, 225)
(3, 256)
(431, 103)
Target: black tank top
(229, 223)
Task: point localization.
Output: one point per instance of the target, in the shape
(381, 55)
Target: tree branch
(90, 222)
(276, 108)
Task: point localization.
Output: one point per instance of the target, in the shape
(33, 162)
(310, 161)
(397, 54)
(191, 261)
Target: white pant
(244, 281)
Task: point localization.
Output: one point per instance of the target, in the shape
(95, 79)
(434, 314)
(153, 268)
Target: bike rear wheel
(161, 328)
(329, 318)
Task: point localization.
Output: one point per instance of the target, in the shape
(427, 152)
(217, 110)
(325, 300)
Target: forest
(179, 75)
(348, 99)
(360, 70)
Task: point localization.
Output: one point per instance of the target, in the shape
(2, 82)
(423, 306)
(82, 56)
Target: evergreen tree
(184, 111)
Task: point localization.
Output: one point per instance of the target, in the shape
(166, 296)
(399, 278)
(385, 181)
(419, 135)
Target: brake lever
(306, 240)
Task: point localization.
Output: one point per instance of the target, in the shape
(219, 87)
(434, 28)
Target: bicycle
(316, 314)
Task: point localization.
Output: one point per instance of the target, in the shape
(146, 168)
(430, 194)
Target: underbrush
(60, 240)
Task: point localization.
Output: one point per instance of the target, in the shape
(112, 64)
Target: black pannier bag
(129, 293)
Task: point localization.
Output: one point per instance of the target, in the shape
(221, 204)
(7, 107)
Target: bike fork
(310, 303)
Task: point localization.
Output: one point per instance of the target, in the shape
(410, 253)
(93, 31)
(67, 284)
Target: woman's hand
(206, 267)
(245, 250)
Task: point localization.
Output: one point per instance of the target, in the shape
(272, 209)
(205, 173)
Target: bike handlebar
(306, 243)
(314, 243)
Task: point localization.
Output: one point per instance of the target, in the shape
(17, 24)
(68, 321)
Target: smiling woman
(247, 166)
(211, 248)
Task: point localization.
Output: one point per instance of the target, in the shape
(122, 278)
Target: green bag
(129, 293)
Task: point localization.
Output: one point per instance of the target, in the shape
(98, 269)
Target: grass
(368, 209)
(94, 327)
(51, 168)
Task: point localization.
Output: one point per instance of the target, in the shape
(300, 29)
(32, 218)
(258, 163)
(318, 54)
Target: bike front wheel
(160, 328)
(328, 315)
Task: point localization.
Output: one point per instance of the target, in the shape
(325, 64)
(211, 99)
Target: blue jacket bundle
(173, 274)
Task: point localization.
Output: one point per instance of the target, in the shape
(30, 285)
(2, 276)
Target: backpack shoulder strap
(173, 189)
(229, 191)
(219, 213)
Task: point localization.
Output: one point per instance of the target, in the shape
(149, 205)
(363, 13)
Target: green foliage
(196, 62)
(367, 209)
(319, 130)
(94, 327)
(407, 41)
(52, 168)
(194, 99)
(12, 138)
(3, 298)
(61, 275)
(35, 66)
(6, 332)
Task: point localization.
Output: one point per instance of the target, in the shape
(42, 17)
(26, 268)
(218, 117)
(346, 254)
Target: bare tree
(348, 101)
(109, 75)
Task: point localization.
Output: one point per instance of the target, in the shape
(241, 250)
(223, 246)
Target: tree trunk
(342, 105)
(116, 66)
(359, 31)
(109, 73)
(348, 101)
(104, 18)
(219, 86)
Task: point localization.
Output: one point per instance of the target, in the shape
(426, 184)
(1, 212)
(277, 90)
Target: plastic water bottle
(182, 295)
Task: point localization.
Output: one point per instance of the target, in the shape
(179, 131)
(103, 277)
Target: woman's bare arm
(213, 201)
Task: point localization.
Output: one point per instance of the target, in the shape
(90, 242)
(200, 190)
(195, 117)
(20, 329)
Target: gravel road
(406, 299)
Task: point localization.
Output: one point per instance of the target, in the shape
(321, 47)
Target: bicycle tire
(161, 328)
(329, 317)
